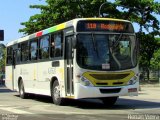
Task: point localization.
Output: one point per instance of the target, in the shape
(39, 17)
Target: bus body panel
(27, 73)
(37, 77)
(9, 80)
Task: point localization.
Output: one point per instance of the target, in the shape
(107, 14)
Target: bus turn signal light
(132, 90)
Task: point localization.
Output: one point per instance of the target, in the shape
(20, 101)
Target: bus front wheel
(22, 93)
(109, 101)
(56, 94)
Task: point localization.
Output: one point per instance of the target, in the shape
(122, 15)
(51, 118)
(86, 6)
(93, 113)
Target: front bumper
(98, 92)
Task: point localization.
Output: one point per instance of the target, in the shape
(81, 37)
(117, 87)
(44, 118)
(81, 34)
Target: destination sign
(108, 26)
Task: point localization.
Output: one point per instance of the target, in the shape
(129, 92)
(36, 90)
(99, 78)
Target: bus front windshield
(106, 51)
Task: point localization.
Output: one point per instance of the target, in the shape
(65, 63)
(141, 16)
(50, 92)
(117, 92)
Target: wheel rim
(56, 92)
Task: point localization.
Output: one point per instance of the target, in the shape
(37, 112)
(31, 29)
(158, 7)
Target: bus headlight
(84, 81)
(133, 80)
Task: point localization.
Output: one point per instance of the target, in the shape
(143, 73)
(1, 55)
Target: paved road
(146, 105)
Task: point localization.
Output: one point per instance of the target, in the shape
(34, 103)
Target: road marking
(14, 110)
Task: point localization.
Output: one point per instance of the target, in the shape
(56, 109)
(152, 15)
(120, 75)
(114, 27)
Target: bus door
(14, 70)
(16, 58)
(69, 66)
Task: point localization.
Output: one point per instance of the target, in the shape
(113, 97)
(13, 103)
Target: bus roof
(57, 28)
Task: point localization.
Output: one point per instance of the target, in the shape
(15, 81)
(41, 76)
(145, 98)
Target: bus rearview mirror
(74, 41)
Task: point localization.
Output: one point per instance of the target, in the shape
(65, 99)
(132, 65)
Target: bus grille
(114, 83)
(114, 90)
(109, 76)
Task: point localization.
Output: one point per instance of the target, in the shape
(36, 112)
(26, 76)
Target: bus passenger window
(9, 55)
(56, 45)
(33, 50)
(44, 47)
(25, 51)
(18, 54)
(52, 46)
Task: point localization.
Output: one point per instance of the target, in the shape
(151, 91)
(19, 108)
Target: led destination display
(107, 26)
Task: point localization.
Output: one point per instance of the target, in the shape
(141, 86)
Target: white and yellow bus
(81, 58)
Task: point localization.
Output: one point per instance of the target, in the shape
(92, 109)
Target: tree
(148, 46)
(55, 12)
(137, 10)
(58, 11)
(155, 61)
(2, 58)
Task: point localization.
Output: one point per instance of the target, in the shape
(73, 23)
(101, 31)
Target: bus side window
(52, 46)
(56, 45)
(9, 55)
(25, 51)
(18, 54)
(34, 50)
(44, 47)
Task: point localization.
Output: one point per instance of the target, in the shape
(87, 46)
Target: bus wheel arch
(19, 80)
(53, 79)
(21, 88)
(55, 92)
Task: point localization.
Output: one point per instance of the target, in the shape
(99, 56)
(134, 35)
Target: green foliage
(155, 61)
(148, 45)
(58, 11)
(135, 13)
(2, 59)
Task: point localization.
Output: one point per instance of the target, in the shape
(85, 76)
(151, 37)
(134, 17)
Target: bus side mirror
(74, 41)
(1, 35)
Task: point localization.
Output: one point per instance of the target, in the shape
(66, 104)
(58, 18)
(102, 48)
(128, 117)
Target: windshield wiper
(115, 43)
(93, 41)
(113, 50)
(94, 44)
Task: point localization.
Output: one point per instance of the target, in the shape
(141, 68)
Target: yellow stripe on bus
(105, 19)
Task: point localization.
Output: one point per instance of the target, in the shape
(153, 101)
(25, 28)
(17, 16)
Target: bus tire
(57, 100)
(22, 93)
(109, 101)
